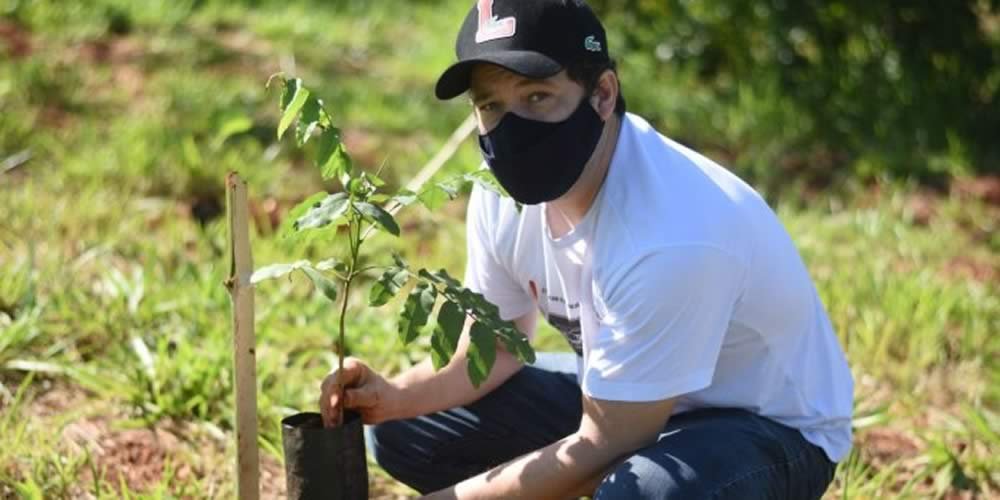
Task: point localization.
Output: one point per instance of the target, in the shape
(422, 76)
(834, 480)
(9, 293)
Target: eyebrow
(521, 82)
(477, 98)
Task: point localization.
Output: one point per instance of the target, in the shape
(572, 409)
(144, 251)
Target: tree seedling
(355, 214)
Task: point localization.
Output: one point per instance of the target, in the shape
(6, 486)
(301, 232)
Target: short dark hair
(588, 73)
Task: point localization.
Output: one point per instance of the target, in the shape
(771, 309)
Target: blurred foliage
(789, 94)
(821, 88)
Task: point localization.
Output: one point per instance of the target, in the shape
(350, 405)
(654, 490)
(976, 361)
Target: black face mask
(540, 161)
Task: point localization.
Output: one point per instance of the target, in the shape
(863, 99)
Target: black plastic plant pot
(324, 463)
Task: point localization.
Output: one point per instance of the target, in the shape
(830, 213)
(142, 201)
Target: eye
(538, 97)
(488, 107)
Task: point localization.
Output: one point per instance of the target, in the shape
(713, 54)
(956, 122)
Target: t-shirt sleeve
(484, 272)
(663, 318)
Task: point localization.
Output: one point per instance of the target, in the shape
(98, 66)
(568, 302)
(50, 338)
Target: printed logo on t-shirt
(570, 328)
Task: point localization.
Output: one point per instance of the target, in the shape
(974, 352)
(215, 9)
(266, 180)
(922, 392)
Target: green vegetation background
(870, 126)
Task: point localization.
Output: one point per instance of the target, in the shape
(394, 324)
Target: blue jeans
(710, 453)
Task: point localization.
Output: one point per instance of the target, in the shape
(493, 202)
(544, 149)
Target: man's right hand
(365, 392)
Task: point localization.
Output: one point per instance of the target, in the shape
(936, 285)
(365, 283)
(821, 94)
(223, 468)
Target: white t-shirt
(680, 281)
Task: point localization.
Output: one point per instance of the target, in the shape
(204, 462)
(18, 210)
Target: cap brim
(455, 80)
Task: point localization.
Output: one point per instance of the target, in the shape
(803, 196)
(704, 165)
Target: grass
(113, 316)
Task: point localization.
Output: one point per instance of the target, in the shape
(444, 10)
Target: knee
(398, 449)
(641, 477)
(385, 442)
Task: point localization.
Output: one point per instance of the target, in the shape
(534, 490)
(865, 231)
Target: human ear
(606, 94)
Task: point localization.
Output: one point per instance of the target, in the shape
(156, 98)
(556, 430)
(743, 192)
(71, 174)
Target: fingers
(353, 399)
(330, 400)
(354, 374)
(328, 405)
(362, 397)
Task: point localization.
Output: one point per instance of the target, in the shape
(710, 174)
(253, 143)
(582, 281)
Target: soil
(886, 447)
(15, 41)
(883, 446)
(985, 188)
(112, 50)
(921, 208)
(140, 457)
(971, 268)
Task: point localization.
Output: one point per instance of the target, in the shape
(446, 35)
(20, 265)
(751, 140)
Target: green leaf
(378, 215)
(425, 274)
(292, 100)
(233, 126)
(479, 303)
(485, 178)
(482, 353)
(400, 261)
(437, 195)
(405, 197)
(447, 331)
(323, 213)
(387, 286)
(453, 288)
(373, 179)
(360, 187)
(332, 264)
(309, 121)
(517, 343)
(332, 158)
(469, 300)
(192, 154)
(418, 307)
(276, 271)
(320, 281)
(446, 278)
(288, 227)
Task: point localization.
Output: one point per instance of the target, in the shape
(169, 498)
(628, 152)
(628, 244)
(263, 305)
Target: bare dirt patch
(883, 446)
(139, 457)
(921, 208)
(144, 458)
(971, 268)
(272, 478)
(15, 41)
(985, 188)
(124, 55)
(111, 50)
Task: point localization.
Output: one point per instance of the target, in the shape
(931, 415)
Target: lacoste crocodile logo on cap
(591, 44)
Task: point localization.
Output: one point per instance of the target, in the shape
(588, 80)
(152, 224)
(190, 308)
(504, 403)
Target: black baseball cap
(533, 38)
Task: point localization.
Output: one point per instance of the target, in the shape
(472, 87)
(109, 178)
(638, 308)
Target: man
(705, 365)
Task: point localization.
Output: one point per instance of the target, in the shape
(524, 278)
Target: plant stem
(340, 346)
(354, 236)
(370, 268)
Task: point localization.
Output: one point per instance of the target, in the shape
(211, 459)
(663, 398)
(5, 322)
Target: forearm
(574, 465)
(569, 468)
(423, 391)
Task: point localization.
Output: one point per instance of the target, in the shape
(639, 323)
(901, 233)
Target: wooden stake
(244, 342)
(427, 171)
(444, 154)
